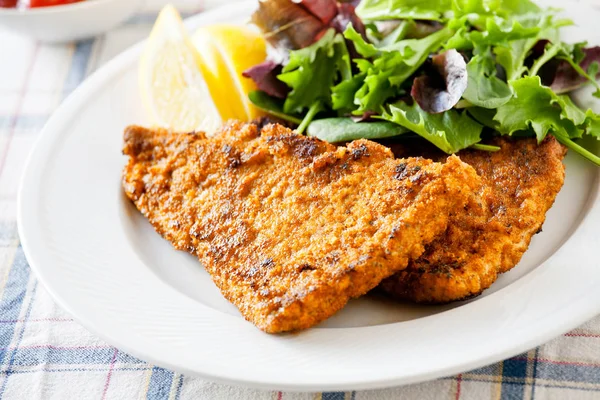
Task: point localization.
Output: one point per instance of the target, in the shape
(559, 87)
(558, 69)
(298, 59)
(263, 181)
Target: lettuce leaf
(563, 78)
(503, 8)
(287, 25)
(512, 55)
(484, 88)
(516, 62)
(342, 96)
(451, 131)
(378, 10)
(415, 52)
(362, 47)
(385, 69)
(493, 31)
(376, 87)
(534, 106)
(537, 107)
(336, 130)
(311, 73)
(519, 7)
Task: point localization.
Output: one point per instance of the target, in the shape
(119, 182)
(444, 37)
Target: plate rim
(122, 62)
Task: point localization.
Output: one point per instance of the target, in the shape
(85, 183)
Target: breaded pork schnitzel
(290, 227)
(520, 183)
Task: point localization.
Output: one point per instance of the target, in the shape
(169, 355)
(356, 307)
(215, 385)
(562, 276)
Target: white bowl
(68, 22)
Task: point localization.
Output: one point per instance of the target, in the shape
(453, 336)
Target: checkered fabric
(44, 354)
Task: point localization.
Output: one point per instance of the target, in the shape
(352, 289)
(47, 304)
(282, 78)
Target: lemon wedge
(227, 51)
(173, 88)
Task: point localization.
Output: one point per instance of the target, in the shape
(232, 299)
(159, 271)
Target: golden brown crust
(290, 227)
(520, 183)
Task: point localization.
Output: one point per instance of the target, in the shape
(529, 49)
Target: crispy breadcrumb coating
(520, 183)
(290, 227)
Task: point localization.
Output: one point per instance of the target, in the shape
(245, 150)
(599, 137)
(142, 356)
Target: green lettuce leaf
(484, 88)
(376, 87)
(451, 131)
(485, 116)
(378, 10)
(271, 105)
(385, 69)
(512, 55)
(570, 111)
(342, 57)
(342, 95)
(592, 124)
(538, 107)
(415, 52)
(498, 31)
(519, 7)
(311, 73)
(336, 130)
(404, 28)
(504, 8)
(587, 121)
(495, 31)
(367, 50)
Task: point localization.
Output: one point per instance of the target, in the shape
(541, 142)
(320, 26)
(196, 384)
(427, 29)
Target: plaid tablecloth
(44, 354)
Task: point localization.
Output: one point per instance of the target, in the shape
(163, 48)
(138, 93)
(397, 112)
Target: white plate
(105, 265)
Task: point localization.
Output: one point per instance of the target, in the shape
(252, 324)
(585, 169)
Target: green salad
(449, 71)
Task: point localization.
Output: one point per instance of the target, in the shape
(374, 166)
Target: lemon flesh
(173, 88)
(227, 51)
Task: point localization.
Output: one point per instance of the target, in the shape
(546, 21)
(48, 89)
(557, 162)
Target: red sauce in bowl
(8, 3)
(34, 3)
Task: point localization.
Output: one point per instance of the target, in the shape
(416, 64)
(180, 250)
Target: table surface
(44, 354)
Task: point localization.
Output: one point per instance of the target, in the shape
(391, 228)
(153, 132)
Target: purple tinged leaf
(335, 15)
(562, 78)
(354, 3)
(325, 10)
(538, 50)
(265, 77)
(364, 117)
(287, 25)
(443, 85)
(296, 24)
(346, 16)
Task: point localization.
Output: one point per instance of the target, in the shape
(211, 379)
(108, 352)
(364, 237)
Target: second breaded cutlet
(290, 227)
(519, 185)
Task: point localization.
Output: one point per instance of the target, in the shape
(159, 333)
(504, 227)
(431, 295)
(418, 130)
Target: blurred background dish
(62, 21)
(24, 4)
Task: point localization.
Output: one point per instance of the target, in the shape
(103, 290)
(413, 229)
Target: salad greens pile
(445, 70)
